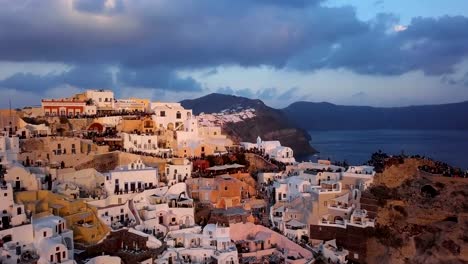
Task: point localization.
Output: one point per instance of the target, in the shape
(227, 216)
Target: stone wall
(259, 163)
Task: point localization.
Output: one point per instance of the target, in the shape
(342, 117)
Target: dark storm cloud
(432, 45)
(149, 40)
(86, 76)
(157, 77)
(101, 77)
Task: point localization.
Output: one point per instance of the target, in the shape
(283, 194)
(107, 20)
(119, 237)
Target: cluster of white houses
(135, 199)
(31, 240)
(155, 203)
(319, 194)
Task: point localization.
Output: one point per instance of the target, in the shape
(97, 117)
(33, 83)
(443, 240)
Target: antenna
(9, 103)
(10, 119)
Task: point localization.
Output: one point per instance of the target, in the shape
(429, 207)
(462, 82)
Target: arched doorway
(96, 127)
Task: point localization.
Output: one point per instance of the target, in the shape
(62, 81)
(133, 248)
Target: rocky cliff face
(234, 115)
(424, 218)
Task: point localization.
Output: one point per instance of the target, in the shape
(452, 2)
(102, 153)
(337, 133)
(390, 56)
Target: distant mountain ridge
(269, 123)
(290, 125)
(215, 103)
(327, 116)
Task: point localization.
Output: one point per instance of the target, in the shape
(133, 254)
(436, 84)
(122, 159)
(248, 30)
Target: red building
(63, 107)
(200, 165)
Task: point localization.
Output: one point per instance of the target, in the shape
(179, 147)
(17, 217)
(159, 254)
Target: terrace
(337, 221)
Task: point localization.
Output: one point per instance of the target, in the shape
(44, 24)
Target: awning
(226, 167)
(84, 215)
(56, 206)
(295, 223)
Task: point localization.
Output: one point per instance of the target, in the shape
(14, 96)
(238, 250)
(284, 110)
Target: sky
(352, 52)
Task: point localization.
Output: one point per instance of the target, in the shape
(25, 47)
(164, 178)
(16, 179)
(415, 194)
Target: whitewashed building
(211, 245)
(133, 177)
(9, 149)
(16, 231)
(30, 130)
(23, 178)
(140, 143)
(167, 209)
(332, 252)
(178, 170)
(273, 149)
(117, 216)
(53, 240)
(363, 176)
(101, 98)
(195, 140)
(170, 116)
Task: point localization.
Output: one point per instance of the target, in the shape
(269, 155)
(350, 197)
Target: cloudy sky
(353, 52)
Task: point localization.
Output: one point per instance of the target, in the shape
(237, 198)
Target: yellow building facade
(80, 217)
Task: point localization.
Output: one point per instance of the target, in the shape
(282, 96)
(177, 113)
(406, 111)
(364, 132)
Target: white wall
(143, 143)
(101, 98)
(170, 113)
(9, 149)
(136, 173)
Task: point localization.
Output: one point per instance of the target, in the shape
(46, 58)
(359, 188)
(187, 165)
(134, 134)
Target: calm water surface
(357, 146)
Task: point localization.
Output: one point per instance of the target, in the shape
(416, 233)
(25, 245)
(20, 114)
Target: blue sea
(356, 147)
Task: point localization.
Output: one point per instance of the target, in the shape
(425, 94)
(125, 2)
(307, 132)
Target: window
(57, 248)
(225, 188)
(178, 115)
(18, 210)
(51, 258)
(44, 234)
(203, 149)
(162, 113)
(63, 254)
(5, 194)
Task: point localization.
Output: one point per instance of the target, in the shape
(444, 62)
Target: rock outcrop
(423, 217)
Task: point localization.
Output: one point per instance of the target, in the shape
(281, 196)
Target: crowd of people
(381, 160)
(442, 168)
